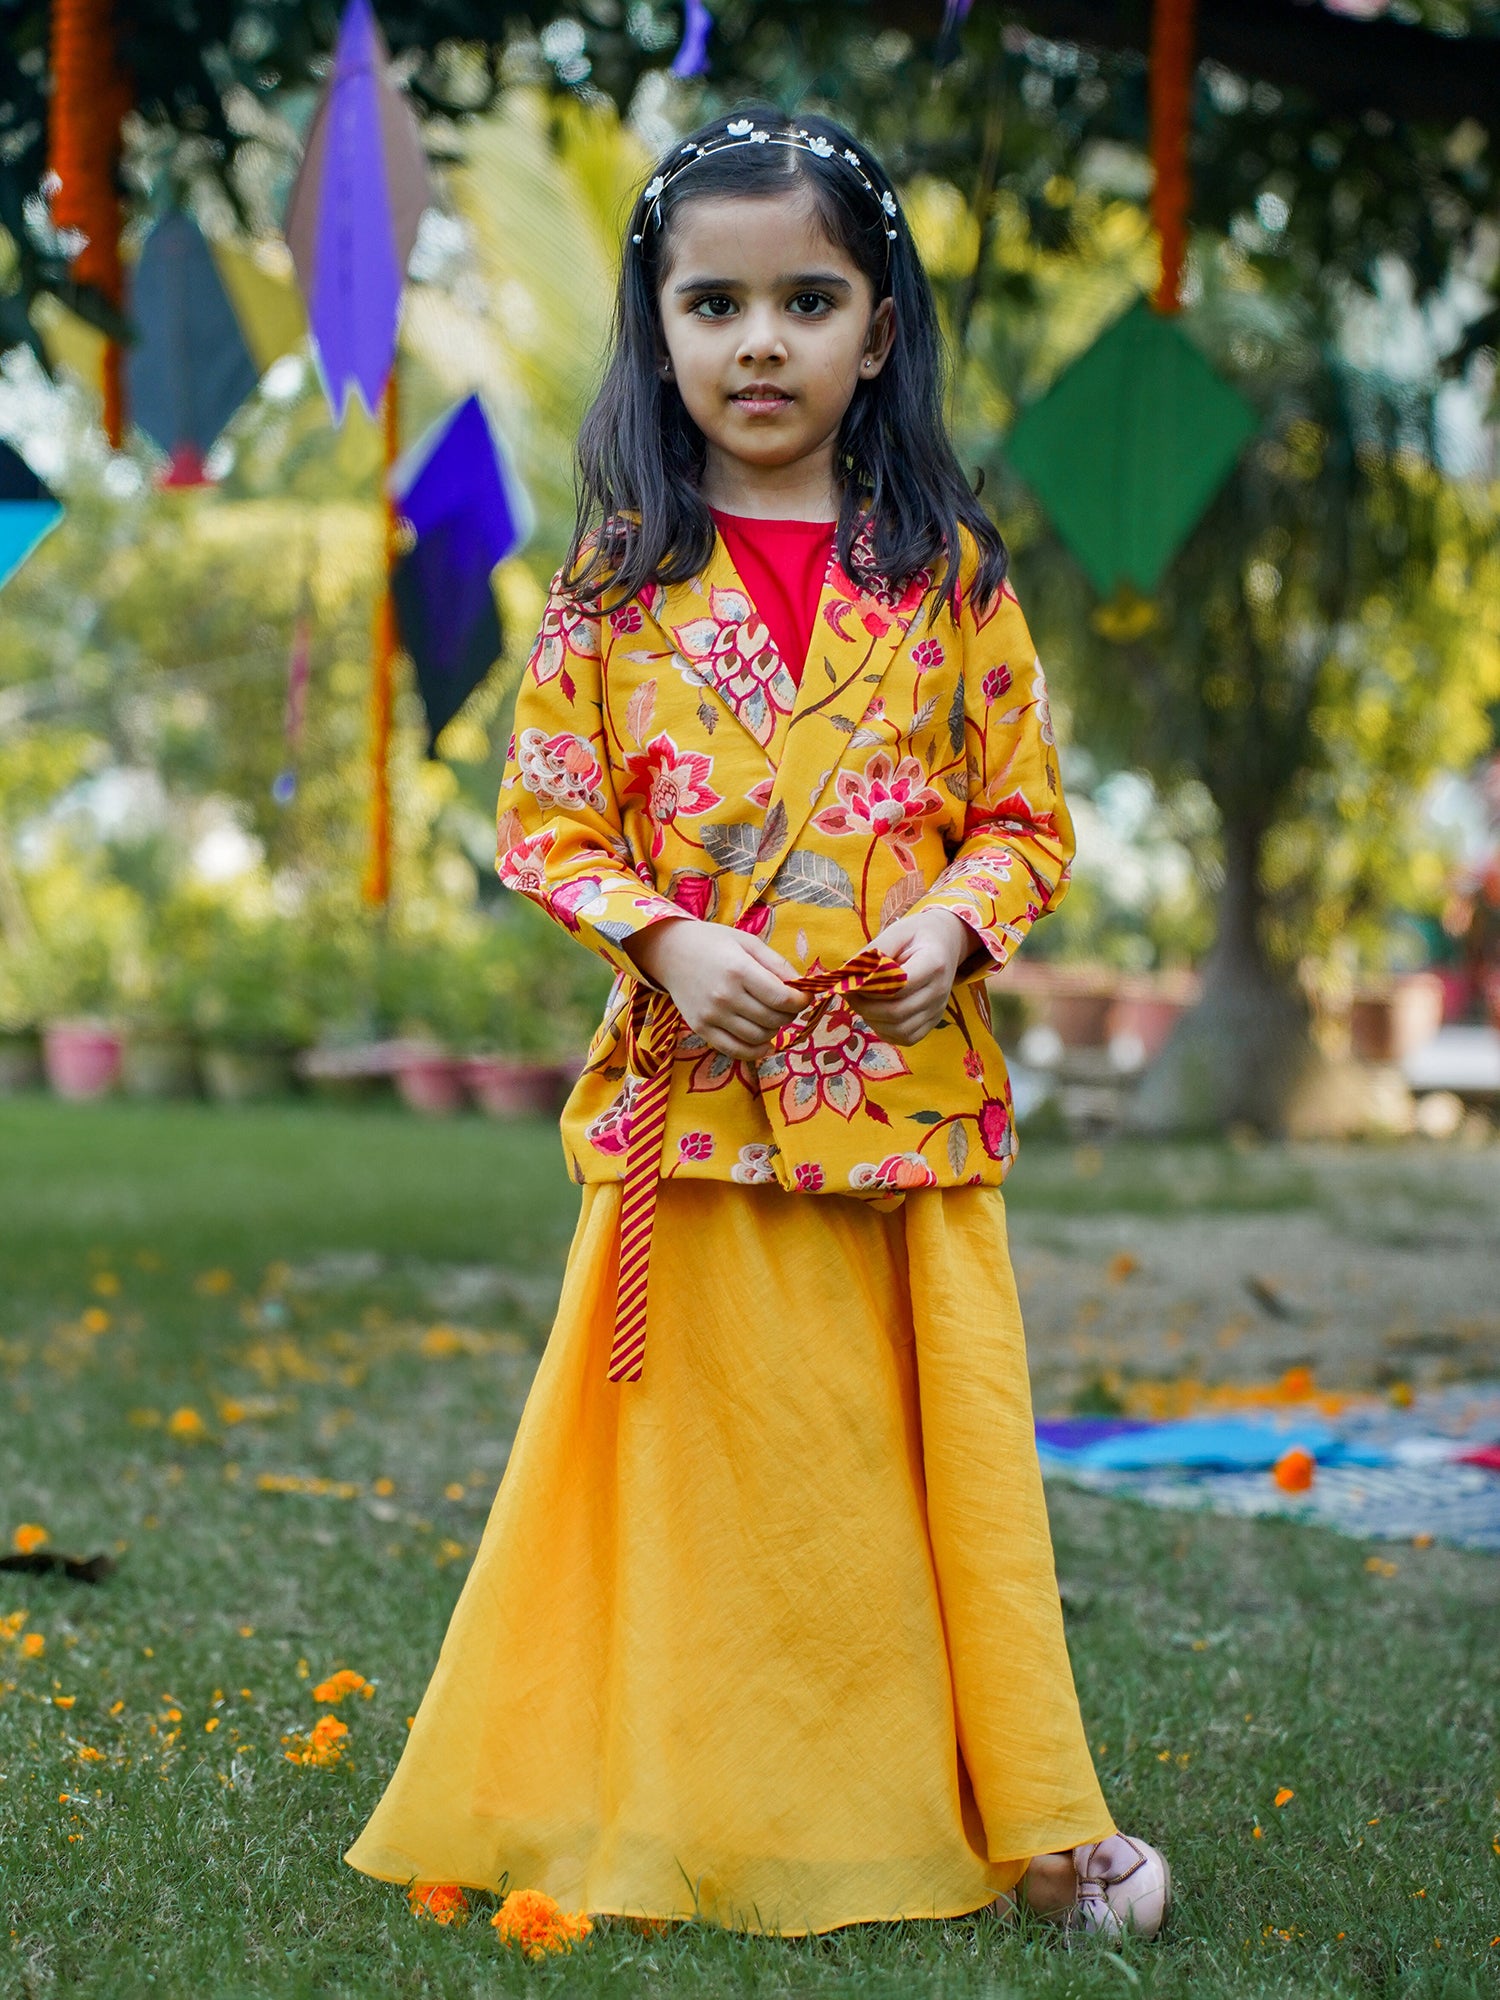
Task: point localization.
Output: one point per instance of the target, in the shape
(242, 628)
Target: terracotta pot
(1148, 1017)
(236, 1075)
(507, 1089)
(81, 1059)
(1080, 1016)
(158, 1065)
(1387, 1023)
(20, 1062)
(431, 1082)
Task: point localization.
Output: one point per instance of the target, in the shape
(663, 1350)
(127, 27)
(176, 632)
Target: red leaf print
(565, 682)
(880, 1117)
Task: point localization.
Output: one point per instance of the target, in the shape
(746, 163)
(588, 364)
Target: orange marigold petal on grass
(1295, 1470)
(28, 1538)
(345, 1681)
(1284, 1796)
(531, 1920)
(442, 1902)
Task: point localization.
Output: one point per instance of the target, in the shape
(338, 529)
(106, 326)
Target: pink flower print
(1014, 813)
(668, 782)
(760, 795)
(610, 1131)
(565, 629)
(695, 892)
(756, 920)
(626, 619)
(562, 770)
(896, 1173)
(571, 900)
(696, 1146)
(926, 654)
(732, 649)
(994, 1128)
(753, 1168)
(829, 1063)
(973, 1063)
(889, 800)
(1043, 706)
(996, 683)
(522, 865)
(809, 1178)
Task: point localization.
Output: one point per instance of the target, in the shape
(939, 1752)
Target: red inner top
(783, 565)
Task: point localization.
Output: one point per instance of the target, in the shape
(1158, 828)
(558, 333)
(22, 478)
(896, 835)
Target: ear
(879, 340)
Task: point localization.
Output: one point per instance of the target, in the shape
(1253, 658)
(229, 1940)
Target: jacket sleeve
(560, 839)
(1011, 865)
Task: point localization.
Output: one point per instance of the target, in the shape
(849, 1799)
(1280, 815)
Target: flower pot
(506, 1089)
(1387, 1022)
(240, 1075)
(81, 1059)
(20, 1061)
(158, 1065)
(1148, 1016)
(430, 1081)
(1081, 1017)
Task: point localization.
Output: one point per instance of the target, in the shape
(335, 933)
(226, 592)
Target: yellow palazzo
(771, 1637)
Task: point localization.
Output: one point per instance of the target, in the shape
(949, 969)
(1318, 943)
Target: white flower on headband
(822, 147)
(888, 202)
(654, 188)
(759, 138)
(853, 158)
(738, 128)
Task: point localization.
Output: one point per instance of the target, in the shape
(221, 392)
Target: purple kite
(462, 513)
(353, 215)
(691, 58)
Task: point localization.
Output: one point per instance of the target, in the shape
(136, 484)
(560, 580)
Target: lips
(760, 398)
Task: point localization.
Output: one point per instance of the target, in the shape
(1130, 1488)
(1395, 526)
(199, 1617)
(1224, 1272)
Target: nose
(761, 339)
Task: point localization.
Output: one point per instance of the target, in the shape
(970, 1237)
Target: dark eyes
(801, 305)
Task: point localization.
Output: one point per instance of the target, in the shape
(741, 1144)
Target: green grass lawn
(350, 1303)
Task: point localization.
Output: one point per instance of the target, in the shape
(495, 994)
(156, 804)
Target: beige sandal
(1123, 1885)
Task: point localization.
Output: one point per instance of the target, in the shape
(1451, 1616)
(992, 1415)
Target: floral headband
(744, 132)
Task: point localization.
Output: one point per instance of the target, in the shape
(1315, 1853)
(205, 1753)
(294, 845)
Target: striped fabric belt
(653, 1029)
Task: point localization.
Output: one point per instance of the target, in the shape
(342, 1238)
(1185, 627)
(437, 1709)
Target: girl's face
(769, 327)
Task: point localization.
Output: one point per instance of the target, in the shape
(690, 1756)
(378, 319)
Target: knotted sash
(653, 1029)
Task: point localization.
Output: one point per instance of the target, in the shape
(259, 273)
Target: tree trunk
(1243, 1053)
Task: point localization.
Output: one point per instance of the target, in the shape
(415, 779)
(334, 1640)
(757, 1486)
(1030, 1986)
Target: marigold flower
(186, 1423)
(442, 1902)
(345, 1681)
(214, 1284)
(1295, 1470)
(323, 1745)
(63, 1700)
(95, 1320)
(537, 1924)
(1283, 1796)
(32, 1645)
(27, 1537)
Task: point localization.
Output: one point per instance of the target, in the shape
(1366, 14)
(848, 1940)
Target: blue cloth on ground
(1217, 1444)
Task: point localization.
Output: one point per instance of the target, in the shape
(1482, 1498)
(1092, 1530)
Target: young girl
(764, 1627)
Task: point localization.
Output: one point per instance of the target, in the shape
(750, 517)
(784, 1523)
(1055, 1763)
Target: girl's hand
(930, 945)
(729, 987)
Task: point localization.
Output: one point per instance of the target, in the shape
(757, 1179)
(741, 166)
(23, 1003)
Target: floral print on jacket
(665, 763)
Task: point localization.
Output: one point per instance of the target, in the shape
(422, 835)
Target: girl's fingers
(763, 954)
(760, 983)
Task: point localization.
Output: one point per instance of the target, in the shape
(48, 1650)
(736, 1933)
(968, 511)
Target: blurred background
(299, 312)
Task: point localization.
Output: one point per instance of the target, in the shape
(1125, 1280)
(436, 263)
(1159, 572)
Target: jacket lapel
(714, 628)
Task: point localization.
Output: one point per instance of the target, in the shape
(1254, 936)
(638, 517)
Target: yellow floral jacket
(665, 761)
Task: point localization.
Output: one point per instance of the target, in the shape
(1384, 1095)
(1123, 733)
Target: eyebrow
(829, 280)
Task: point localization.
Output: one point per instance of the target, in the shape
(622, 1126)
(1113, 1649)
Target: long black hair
(641, 516)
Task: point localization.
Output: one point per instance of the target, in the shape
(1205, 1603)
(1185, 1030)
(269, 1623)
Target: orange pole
(89, 98)
(1171, 121)
(377, 882)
